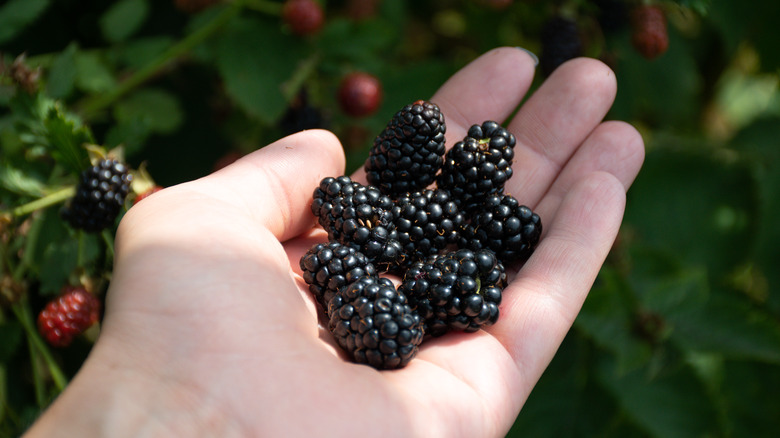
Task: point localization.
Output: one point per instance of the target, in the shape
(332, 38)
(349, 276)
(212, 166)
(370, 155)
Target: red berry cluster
(68, 315)
(649, 34)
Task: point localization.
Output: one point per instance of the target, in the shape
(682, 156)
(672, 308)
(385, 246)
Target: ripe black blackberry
(479, 165)
(374, 324)
(100, 195)
(460, 290)
(426, 222)
(328, 267)
(504, 226)
(561, 41)
(407, 154)
(358, 216)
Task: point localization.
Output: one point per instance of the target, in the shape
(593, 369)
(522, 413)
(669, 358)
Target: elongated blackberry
(407, 154)
(479, 165)
(374, 324)
(100, 195)
(504, 226)
(328, 267)
(358, 216)
(426, 222)
(460, 290)
(561, 41)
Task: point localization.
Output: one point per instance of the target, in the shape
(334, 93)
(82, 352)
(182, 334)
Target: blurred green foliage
(680, 335)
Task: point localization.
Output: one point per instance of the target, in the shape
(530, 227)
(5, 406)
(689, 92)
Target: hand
(210, 331)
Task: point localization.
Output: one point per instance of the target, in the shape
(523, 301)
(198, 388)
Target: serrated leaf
(15, 15)
(693, 207)
(157, 109)
(92, 74)
(123, 19)
(67, 136)
(730, 326)
(62, 74)
(255, 60)
(17, 181)
(671, 405)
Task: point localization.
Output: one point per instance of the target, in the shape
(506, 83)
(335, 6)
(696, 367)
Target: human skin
(209, 329)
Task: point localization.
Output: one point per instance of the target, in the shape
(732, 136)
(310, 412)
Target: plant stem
(102, 101)
(22, 312)
(47, 201)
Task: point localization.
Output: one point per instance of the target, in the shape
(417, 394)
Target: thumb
(276, 183)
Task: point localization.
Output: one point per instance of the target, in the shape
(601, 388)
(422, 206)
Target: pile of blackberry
(440, 221)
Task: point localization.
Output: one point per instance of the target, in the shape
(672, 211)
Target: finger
(613, 147)
(554, 122)
(489, 88)
(540, 305)
(273, 185)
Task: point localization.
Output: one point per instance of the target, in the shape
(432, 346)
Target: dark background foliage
(679, 337)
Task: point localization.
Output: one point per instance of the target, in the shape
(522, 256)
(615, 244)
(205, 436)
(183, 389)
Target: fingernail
(531, 54)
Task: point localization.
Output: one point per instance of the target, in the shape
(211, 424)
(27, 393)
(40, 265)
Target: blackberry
(460, 290)
(358, 216)
(301, 115)
(407, 154)
(561, 41)
(503, 226)
(100, 195)
(374, 324)
(479, 165)
(426, 222)
(328, 267)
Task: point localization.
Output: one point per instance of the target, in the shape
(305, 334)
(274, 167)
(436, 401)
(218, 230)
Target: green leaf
(123, 19)
(673, 404)
(752, 404)
(255, 60)
(62, 74)
(693, 207)
(92, 74)
(67, 136)
(155, 108)
(139, 52)
(19, 182)
(15, 15)
(730, 326)
(357, 42)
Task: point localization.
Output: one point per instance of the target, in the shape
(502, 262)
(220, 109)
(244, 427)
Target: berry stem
(293, 86)
(47, 201)
(101, 101)
(22, 311)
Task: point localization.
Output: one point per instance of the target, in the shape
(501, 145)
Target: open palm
(210, 331)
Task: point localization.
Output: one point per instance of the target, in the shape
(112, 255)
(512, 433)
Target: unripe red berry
(360, 94)
(649, 35)
(305, 17)
(68, 315)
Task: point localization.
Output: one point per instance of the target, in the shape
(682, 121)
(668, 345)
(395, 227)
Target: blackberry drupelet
(460, 290)
(328, 267)
(479, 165)
(561, 41)
(409, 152)
(358, 216)
(426, 222)
(374, 324)
(99, 197)
(504, 226)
